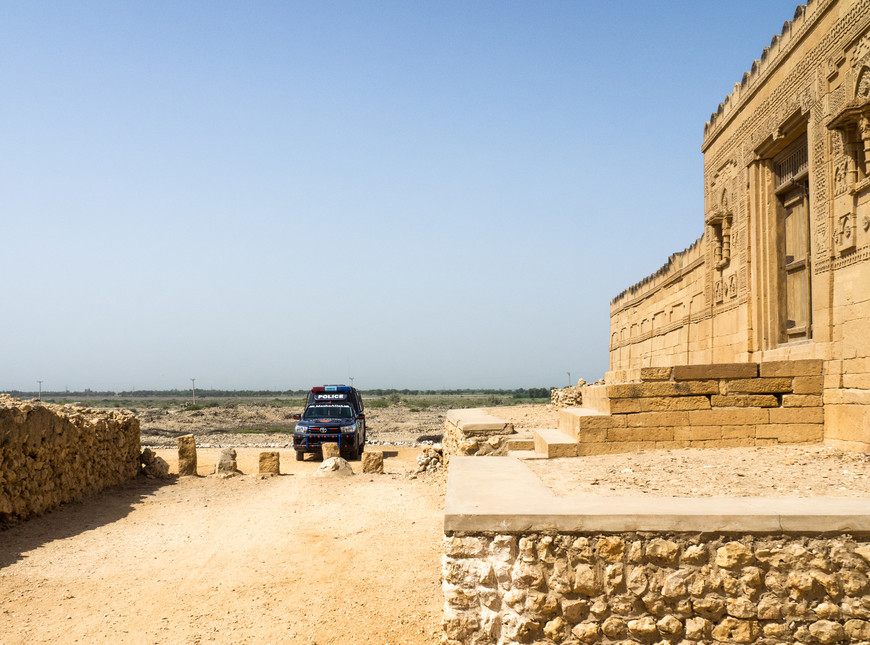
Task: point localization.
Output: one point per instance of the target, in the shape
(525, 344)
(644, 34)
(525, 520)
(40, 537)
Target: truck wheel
(300, 455)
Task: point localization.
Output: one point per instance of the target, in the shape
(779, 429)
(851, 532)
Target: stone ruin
(54, 454)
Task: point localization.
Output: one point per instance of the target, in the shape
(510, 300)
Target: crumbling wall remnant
(53, 454)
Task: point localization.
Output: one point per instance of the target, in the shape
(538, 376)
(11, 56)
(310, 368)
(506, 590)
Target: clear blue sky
(274, 194)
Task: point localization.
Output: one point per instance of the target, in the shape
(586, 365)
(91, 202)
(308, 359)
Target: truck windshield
(328, 412)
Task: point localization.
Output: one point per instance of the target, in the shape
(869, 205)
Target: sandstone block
(640, 434)
(644, 628)
(721, 416)
(758, 386)
(226, 464)
(642, 390)
(656, 373)
(373, 462)
(270, 463)
(807, 384)
(659, 404)
(330, 450)
(791, 432)
(801, 401)
(809, 367)
(656, 419)
(699, 433)
(744, 401)
(715, 371)
(797, 415)
(186, 455)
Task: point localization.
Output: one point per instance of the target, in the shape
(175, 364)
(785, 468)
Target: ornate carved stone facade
(782, 269)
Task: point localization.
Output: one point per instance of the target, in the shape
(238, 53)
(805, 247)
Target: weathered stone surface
(715, 370)
(736, 631)
(669, 589)
(270, 463)
(52, 454)
(226, 464)
(656, 373)
(330, 450)
(186, 455)
(733, 554)
(758, 386)
(334, 467)
(744, 401)
(827, 632)
(373, 462)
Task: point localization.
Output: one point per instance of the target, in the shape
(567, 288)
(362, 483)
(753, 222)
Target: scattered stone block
(270, 463)
(334, 467)
(330, 450)
(373, 462)
(186, 455)
(153, 467)
(226, 465)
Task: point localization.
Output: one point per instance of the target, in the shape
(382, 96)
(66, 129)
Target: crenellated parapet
(805, 16)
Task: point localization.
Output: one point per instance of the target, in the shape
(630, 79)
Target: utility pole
(569, 379)
(193, 385)
(351, 381)
(40, 390)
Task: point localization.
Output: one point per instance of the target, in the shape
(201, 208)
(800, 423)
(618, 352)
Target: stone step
(552, 443)
(521, 442)
(525, 454)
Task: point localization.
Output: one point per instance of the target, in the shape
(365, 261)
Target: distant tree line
(520, 393)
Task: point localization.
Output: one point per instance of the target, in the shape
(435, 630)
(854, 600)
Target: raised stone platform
(501, 494)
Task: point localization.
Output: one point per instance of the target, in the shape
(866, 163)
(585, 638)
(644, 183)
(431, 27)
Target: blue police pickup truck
(333, 414)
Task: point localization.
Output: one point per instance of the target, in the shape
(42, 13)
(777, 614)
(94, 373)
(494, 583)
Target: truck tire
(300, 455)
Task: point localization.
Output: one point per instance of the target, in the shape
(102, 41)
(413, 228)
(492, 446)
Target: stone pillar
(270, 463)
(373, 462)
(226, 464)
(186, 455)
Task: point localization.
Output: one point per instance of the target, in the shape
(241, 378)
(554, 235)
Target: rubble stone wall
(52, 454)
(655, 588)
(464, 436)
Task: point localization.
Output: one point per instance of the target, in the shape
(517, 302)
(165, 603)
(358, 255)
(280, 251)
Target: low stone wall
(475, 432)
(52, 454)
(655, 588)
(522, 565)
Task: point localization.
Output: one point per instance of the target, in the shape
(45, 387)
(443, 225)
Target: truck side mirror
(361, 417)
(296, 416)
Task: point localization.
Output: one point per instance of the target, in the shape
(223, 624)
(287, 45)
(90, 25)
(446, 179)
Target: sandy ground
(285, 559)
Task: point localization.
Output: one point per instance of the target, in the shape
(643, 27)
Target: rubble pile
(432, 458)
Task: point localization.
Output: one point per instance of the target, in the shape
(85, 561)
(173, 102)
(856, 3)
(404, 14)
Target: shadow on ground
(73, 518)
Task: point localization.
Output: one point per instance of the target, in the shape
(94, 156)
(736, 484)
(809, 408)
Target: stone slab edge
(502, 495)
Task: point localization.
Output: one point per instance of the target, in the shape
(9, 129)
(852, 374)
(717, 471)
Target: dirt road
(286, 559)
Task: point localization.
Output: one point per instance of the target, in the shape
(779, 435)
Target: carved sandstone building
(782, 270)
